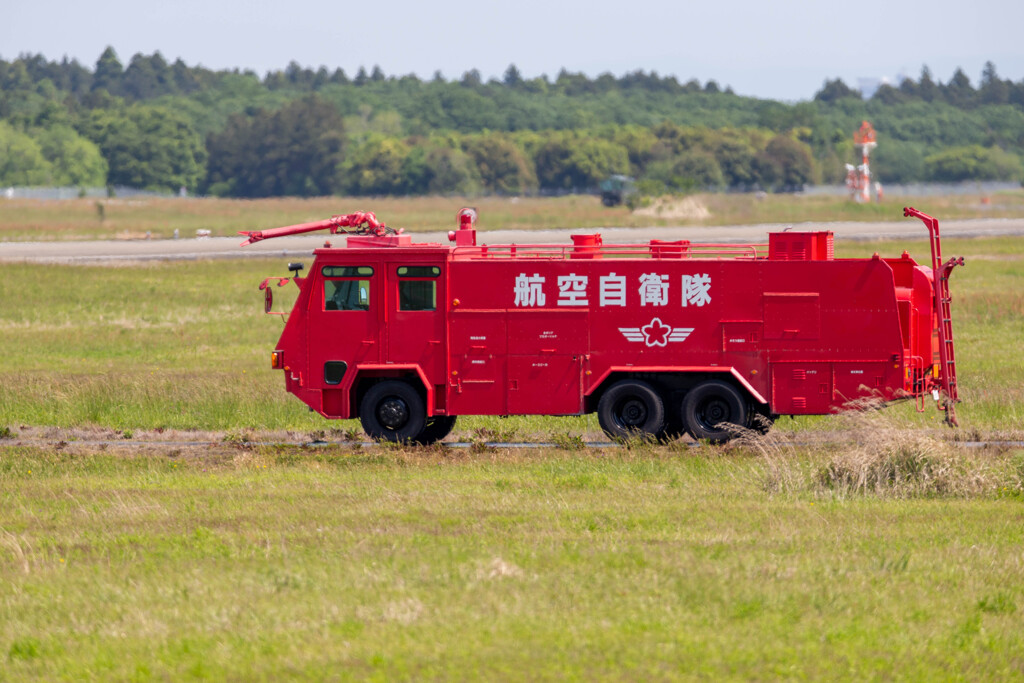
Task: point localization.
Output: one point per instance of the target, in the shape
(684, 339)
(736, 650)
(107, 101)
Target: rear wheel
(713, 410)
(436, 429)
(392, 411)
(631, 408)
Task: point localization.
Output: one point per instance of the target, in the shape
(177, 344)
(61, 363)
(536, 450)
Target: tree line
(298, 131)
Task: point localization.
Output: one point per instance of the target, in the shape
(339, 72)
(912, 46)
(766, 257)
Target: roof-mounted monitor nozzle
(465, 236)
(364, 223)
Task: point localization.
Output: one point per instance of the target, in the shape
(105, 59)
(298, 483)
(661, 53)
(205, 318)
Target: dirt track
(228, 247)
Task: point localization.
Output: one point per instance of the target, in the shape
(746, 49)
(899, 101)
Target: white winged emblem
(656, 333)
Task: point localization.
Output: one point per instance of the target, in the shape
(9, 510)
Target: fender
(681, 369)
(393, 370)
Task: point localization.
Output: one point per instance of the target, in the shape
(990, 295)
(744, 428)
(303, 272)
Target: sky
(779, 49)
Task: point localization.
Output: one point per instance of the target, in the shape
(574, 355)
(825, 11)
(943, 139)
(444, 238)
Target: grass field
(886, 553)
(340, 564)
(134, 218)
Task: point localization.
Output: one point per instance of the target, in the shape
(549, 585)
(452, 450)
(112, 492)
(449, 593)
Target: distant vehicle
(657, 338)
(615, 189)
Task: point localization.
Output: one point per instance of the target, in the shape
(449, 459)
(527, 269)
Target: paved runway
(99, 251)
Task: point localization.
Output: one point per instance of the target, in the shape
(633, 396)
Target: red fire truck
(657, 339)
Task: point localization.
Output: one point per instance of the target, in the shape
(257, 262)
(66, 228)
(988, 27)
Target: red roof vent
(801, 246)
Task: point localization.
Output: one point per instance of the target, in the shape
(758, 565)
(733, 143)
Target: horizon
(859, 83)
(785, 51)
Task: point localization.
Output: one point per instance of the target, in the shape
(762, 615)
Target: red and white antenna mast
(860, 181)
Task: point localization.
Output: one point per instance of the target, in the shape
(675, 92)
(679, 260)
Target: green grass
(23, 219)
(126, 562)
(388, 564)
(181, 345)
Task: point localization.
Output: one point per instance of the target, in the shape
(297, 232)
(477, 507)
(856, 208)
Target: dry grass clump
(887, 458)
(675, 208)
(879, 456)
(901, 463)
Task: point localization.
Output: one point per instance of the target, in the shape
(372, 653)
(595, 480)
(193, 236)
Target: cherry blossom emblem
(656, 333)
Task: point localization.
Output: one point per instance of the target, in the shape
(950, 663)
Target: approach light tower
(859, 179)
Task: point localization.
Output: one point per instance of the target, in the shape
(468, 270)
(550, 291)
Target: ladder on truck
(947, 385)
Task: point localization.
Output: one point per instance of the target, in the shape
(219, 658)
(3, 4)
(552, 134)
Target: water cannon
(363, 224)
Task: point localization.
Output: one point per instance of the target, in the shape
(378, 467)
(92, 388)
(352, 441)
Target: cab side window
(347, 288)
(417, 288)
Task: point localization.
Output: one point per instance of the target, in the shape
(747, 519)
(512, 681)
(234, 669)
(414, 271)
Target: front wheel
(392, 411)
(714, 411)
(630, 408)
(436, 429)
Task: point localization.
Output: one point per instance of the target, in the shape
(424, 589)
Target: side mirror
(295, 268)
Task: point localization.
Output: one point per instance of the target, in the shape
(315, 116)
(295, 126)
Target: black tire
(392, 411)
(436, 429)
(631, 408)
(760, 420)
(710, 407)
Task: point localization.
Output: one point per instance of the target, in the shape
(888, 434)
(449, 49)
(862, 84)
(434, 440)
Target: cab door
(415, 317)
(344, 327)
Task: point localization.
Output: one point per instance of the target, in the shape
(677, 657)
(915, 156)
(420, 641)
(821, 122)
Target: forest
(165, 126)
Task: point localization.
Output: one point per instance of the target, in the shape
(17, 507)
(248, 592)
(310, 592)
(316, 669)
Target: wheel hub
(714, 412)
(633, 413)
(393, 413)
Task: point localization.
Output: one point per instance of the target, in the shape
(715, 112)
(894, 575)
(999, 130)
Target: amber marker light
(277, 360)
